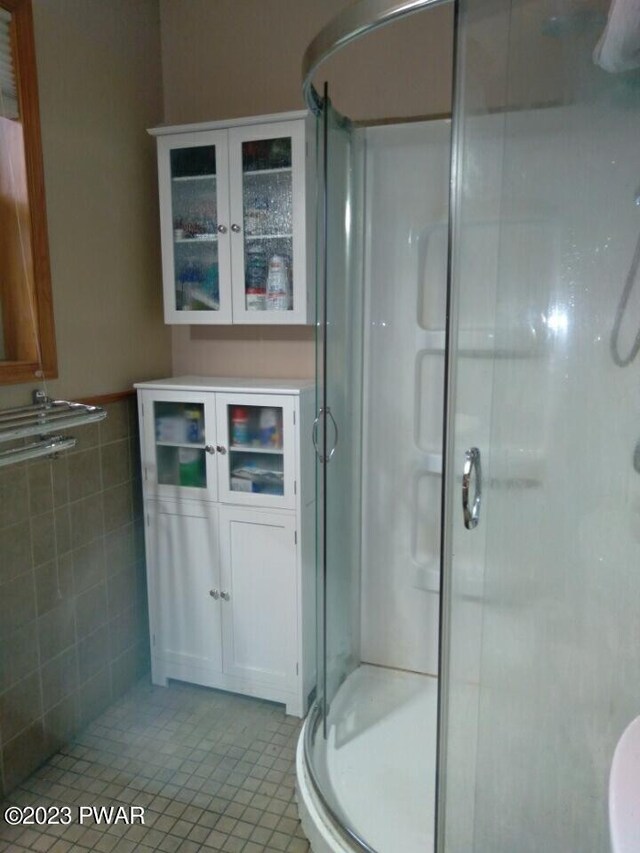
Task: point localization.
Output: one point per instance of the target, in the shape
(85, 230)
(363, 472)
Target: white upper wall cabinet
(234, 221)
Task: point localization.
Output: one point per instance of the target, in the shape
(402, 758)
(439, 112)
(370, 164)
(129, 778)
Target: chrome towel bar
(46, 417)
(42, 418)
(47, 447)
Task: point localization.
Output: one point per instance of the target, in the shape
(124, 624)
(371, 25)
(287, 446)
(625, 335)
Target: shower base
(377, 766)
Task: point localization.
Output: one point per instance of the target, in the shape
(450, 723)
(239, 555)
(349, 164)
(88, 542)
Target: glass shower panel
(542, 667)
(340, 424)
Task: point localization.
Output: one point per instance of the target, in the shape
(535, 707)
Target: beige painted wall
(100, 84)
(227, 59)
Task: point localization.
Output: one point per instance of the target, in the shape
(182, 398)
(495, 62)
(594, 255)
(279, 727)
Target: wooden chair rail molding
(104, 399)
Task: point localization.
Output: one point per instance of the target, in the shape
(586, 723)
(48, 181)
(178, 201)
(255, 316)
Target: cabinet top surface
(228, 385)
(219, 125)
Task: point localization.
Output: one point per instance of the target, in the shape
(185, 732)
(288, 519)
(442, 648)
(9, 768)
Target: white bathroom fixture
(624, 792)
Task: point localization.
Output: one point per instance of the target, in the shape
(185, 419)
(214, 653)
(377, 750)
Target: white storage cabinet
(232, 199)
(228, 484)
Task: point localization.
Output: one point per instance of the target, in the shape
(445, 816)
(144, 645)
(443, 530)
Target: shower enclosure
(478, 585)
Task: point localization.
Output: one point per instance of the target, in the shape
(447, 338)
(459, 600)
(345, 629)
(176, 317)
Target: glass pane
(543, 667)
(195, 222)
(256, 449)
(8, 91)
(380, 528)
(340, 306)
(180, 453)
(268, 224)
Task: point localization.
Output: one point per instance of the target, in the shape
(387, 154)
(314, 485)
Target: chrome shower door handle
(314, 434)
(471, 513)
(335, 442)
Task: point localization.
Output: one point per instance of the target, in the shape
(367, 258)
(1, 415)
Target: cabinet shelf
(273, 451)
(205, 299)
(204, 238)
(273, 479)
(185, 178)
(269, 237)
(192, 445)
(281, 171)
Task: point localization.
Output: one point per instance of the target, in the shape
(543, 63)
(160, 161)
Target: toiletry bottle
(239, 426)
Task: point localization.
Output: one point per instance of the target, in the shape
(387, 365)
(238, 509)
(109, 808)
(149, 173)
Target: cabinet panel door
(267, 192)
(178, 445)
(258, 571)
(194, 222)
(257, 431)
(183, 572)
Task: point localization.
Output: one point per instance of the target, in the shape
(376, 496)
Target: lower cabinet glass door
(257, 435)
(180, 445)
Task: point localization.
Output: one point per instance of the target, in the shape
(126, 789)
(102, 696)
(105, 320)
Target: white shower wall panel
(407, 173)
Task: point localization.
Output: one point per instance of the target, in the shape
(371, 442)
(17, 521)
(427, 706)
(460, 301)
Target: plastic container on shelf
(256, 278)
(269, 428)
(171, 428)
(193, 418)
(190, 280)
(239, 426)
(280, 153)
(211, 283)
(278, 290)
(190, 467)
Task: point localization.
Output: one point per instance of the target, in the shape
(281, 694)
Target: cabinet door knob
(225, 596)
(235, 228)
(222, 229)
(221, 450)
(210, 448)
(214, 594)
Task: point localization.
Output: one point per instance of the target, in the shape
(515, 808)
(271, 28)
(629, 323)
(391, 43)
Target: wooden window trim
(23, 369)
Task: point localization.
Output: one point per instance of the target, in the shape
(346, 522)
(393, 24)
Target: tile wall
(73, 618)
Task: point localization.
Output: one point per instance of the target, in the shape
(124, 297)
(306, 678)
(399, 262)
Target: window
(27, 336)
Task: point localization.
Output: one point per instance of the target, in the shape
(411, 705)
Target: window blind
(8, 94)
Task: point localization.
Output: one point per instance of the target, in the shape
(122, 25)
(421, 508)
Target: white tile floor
(213, 771)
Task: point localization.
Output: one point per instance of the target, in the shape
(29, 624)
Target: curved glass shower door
(542, 670)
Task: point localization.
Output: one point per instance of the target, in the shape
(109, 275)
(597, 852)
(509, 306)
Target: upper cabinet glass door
(267, 164)
(193, 176)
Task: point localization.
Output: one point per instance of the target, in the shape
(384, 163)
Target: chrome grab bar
(47, 447)
(314, 435)
(471, 514)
